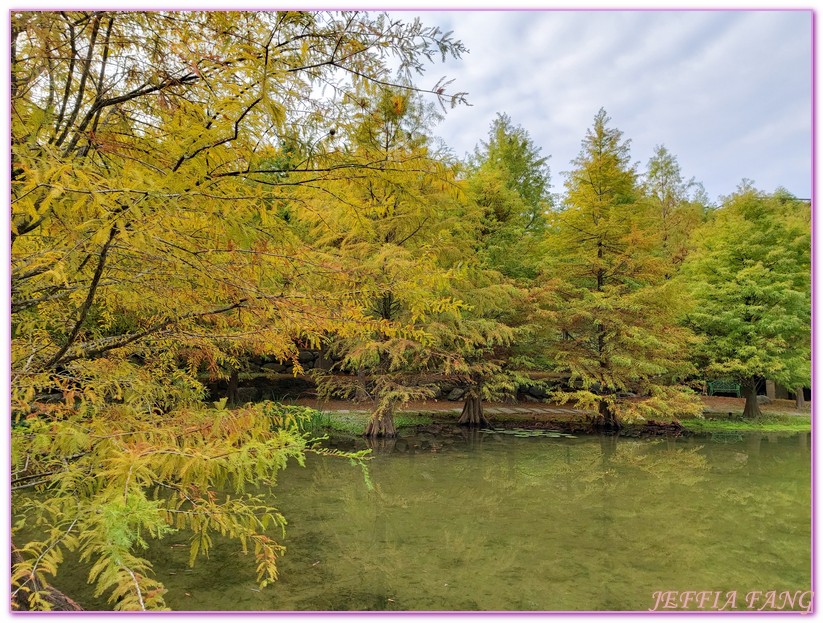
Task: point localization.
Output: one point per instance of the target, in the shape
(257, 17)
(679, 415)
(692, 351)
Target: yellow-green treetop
(611, 315)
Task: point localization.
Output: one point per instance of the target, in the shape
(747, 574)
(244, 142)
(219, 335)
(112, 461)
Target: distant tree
(750, 278)
(610, 315)
(678, 206)
(510, 182)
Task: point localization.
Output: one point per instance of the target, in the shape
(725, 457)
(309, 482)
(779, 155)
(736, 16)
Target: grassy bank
(354, 422)
(721, 415)
(725, 414)
(770, 423)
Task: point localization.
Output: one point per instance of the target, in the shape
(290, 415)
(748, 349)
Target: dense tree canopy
(153, 155)
(750, 277)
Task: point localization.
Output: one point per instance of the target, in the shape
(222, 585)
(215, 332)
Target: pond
(490, 521)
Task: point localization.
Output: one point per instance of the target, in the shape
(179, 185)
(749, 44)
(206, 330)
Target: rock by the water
(305, 356)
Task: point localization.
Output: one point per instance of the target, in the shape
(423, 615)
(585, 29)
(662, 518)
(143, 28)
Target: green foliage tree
(610, 315)
(505, 206)
(157, 160)
(750, 278)
(475, 342)
(509, 181)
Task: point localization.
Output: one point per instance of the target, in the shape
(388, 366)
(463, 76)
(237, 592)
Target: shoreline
(720, 415)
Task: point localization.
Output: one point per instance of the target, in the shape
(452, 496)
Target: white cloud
(728, 92)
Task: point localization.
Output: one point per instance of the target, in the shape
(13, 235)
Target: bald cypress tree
(610, 313)
(678, 206)
(750, 276)
(507, 201)
(509, 182)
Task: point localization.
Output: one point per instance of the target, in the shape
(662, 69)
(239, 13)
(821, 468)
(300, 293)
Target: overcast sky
(727, 92)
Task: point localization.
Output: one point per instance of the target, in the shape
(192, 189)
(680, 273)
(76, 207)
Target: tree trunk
(361, 394)
(610, 421)
(752, 409)
(472, 414)
(381, 423)
(231, 394)
(800, 399)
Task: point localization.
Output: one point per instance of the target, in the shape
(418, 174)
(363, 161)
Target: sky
(729, 93)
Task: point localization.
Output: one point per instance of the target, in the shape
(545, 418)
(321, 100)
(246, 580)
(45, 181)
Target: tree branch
(81, 88)
(98, 348)
(222, 141)
(69, 78)
(84, 310)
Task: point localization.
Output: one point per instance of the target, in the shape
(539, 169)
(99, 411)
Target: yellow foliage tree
(394, 224)
(155, 159)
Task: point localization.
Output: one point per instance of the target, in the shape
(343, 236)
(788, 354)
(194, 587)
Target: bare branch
(81, 89)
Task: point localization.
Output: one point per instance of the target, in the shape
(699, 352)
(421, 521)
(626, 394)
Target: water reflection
(465, 520)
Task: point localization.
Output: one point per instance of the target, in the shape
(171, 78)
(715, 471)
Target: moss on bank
(354, 422)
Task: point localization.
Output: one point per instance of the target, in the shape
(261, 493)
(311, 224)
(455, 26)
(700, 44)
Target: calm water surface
(493, 522)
